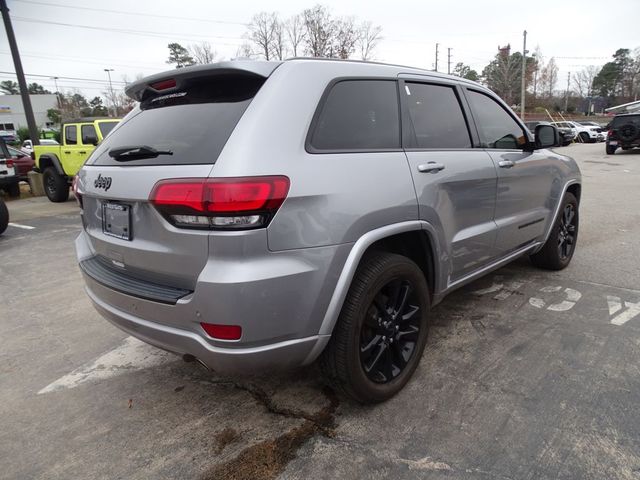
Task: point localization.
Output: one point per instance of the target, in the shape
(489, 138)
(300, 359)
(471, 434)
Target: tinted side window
(497, 128)
(359, 115)
(88, 133)
(436, 116)
(71, 134)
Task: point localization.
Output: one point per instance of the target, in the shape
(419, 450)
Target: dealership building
(12, 111)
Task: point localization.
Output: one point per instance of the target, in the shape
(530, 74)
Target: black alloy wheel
(567, 231)
(390, 332)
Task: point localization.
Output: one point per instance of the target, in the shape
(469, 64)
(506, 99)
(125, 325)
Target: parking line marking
(131, 356)
(17, 225)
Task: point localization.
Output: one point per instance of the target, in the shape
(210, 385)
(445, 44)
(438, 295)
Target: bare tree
(548, 78)
(296, 34)
(583, 81)
(262, 34)
(245, 51)
(369, 37)
(203, 52)
(345, 38)
(319, 28)
(279, 42)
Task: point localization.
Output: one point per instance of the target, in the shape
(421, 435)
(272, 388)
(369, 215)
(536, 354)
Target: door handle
(430, 167)
(506, 163)
(67, 152)
(82, 152)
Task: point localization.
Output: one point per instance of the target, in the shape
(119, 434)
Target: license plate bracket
(116, 220)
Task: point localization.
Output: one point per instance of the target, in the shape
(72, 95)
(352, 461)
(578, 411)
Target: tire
(557, 252)
(584, 136)
(14, 190)
(611, 149)
(55, 185)
(361, 359)
(4, 216)
(628, 132)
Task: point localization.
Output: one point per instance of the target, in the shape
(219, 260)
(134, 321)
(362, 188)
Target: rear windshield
(619, 121)
(194, 123)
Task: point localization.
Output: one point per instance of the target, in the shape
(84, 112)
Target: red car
(23, 162)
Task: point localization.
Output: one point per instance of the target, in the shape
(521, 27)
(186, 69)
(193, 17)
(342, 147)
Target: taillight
(10, 163)
(74, 189)
(33, 155)
(610, 134)
(220, 203)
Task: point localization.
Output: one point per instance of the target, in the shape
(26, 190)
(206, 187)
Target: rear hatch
(177, 132)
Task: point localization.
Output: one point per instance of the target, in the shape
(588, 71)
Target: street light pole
(55, 81)
(523, 86)
(113, 103)
(22, 83)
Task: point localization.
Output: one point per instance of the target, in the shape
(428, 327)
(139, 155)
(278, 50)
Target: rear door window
(106, 127)
(71, 135)
(358, 115)
(88, 133)
(497, 128)
(193, 122)
(436, 117)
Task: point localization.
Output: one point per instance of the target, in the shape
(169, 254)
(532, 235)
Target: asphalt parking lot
(527, 374)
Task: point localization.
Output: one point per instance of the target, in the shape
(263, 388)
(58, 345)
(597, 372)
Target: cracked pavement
(508, 388)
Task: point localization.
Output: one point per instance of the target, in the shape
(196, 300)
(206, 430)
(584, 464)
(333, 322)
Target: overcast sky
(576, 32)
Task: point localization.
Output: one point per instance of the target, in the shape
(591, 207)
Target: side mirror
(91, 140)
(547, 136)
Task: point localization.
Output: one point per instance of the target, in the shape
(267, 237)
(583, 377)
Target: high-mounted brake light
(164, 84)
(220, 203)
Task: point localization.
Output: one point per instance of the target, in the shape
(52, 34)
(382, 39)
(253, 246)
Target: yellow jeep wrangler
(59, 163)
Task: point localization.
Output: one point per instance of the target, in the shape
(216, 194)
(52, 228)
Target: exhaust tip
(187, 357)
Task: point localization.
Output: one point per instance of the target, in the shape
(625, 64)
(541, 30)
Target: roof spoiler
(171, 80)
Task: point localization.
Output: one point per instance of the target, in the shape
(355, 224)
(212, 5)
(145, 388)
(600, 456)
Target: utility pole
(449, 60)
(55, 80)
(24, 91)
(113, 103)
(566, 98)
(437, 46)
(523, 86)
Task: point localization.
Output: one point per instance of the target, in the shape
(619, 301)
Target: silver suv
(253, 215)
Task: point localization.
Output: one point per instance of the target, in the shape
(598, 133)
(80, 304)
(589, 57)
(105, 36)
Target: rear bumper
(278, 298)
(9, 180)
(287, 354)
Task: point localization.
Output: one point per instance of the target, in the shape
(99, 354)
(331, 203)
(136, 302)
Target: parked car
(586, 134)
(260, 215)
(60, 163)
(566, 134)
(599, 128)
(4, 216)
(27, 145)
(8, 132)
(624, 132)
(23, 162)
(9, 179)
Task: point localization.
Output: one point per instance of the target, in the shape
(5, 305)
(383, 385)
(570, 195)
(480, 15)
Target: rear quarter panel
(334, 198)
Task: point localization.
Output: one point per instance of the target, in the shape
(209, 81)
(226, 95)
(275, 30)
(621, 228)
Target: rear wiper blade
(135, 152)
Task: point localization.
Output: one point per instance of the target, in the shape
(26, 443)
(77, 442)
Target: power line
(63, 78)
(71, 59)
(143, 33)
(154, 15)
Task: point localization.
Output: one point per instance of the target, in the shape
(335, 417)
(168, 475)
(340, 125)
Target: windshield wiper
(135, 152)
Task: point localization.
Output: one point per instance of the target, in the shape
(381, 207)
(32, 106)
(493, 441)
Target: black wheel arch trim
(55, 161)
